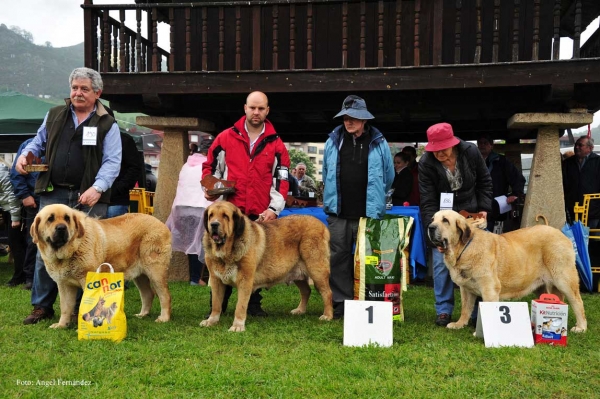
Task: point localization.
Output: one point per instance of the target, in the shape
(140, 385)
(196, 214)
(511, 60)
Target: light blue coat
(380, 175)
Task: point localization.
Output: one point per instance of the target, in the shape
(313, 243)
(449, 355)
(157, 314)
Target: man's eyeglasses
(580, 145)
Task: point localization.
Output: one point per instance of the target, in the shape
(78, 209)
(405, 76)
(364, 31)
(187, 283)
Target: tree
(48, 44)
(299, 156)
(23, 33)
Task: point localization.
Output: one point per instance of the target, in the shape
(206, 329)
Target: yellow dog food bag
(381, 260)
(102, 312)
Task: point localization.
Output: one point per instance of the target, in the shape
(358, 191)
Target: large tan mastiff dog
(506, 266)
(250, 255)
(73, 244)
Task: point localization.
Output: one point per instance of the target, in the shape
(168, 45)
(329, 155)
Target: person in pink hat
(453, 171)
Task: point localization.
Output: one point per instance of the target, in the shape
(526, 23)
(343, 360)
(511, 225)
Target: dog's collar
(463, 250)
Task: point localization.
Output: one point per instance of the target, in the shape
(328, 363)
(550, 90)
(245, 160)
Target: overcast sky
(60, 22)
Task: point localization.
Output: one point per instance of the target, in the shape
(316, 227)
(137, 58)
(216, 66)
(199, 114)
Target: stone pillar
(174, 153)
(545, 190)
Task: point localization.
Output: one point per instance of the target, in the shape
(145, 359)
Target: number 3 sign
(504, 324)
(367, 323)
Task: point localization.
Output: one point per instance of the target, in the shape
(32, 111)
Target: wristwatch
(98, 189)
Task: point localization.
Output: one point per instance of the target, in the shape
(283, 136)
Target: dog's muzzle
(436, 238)
(216, 233)
(60, 236)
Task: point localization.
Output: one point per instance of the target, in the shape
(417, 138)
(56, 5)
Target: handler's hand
(211, 197)
(90, 197)
(484, 214)
(29, 202)
(20, 166)
(511, 199)
(266, 216)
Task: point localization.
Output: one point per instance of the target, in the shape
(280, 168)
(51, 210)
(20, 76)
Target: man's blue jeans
(44, 289)
(116, 210)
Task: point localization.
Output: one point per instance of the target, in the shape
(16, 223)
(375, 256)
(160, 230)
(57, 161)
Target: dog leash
(463, 250)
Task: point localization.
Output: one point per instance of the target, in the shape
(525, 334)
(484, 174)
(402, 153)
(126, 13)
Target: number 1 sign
(367, 323)
(504, 324)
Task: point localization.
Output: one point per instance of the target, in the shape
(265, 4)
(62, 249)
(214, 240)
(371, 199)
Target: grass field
(283, 356)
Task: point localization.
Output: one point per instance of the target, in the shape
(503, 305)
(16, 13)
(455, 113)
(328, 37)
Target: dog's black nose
(214, 224)
(61, 227)
(431, 228)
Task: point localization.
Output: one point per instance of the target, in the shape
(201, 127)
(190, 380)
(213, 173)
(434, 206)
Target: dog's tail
(538, 216)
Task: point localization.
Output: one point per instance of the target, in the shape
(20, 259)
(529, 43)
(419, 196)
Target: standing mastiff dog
(250, 255)
(506, 266)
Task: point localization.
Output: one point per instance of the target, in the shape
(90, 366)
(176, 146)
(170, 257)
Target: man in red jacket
(251, 154)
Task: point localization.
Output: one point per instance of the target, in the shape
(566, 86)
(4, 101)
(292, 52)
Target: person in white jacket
(185, 220)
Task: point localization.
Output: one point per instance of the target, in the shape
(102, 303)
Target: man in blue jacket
(356, 162)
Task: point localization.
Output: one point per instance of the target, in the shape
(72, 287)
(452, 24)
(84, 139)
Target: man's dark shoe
(443, 319)
(14, 283)
(338, 315)
(27, 285)
(38, 314)
(256, 311)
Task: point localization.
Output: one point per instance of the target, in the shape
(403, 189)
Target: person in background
(358, 171)
(85, 130)
(581, 175)
(453, 167)
(506, 180)
(24, 187)
(186, 218)
(11, 204)
(253, 155)
(414, 198)
(150, 178)
(294, 187)
(403, 179)
(193, 148)
(306, 184)
(129, 173)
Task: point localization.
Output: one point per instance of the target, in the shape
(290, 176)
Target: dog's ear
(239, 223)
(205, 219)
(78, 226)
(33, 231)
(464, 231)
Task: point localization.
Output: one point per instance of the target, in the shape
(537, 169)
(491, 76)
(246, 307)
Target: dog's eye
(67, 218)
(51, 218)
(444, 220)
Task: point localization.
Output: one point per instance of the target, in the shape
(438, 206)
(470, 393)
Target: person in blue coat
(357, 172)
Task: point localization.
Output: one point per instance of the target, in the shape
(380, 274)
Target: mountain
(36, 70)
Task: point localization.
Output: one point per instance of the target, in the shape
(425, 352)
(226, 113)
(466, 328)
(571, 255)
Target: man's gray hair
(590, 140)
(87, 73)
(301, 163)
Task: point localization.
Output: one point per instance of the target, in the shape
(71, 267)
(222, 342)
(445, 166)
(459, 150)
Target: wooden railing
(323, 34)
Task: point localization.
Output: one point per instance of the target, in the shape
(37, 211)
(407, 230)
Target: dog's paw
(455, 325)
(208, 323)
(140, 315)
(298, 311)
(577, 329)
(325, 317)
(237, 328)
(162, 319)
(58, 325)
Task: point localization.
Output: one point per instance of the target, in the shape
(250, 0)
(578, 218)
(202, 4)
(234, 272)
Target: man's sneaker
(256, 311)
(39, 313)
(442, 319)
